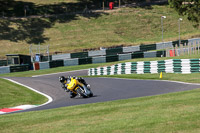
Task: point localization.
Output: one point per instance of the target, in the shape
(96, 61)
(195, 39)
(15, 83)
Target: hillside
(74, 32)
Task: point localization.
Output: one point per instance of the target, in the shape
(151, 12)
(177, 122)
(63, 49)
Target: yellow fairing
(73, 85)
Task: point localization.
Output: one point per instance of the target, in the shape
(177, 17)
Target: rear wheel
(91, 94)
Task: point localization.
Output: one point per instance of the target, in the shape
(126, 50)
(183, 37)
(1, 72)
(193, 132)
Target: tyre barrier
(4, 69)
(184, 66)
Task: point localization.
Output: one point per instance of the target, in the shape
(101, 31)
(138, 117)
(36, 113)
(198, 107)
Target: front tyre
(81, 92)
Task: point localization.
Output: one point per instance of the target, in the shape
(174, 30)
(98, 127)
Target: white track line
(50, 99)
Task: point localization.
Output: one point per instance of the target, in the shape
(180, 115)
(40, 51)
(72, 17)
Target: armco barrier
(112, 58)
(163, 45)
(19, 68)
(56, 63)
(71, 62)
(184, 42)
(61, 56)
(193, 40)
(79, 55)
(168, 66)
(114, 51)
(160, 53)
(122, 50)
(131, 49)
(87, 60)
(82, 61)
(138, 54)
(98, 59)
(44, 65)
(148, 47)
(150, 54)
(46, 58)
(125, 56)
(97, 53)
(4, 69)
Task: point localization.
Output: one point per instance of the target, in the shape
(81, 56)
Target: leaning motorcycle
(78, 88)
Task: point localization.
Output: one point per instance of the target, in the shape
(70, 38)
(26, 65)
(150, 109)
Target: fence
(168, 66)
(191, 47)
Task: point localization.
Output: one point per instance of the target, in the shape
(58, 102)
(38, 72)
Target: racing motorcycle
(78, 88)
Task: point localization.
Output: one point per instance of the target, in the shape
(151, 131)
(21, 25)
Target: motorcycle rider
(63, 80)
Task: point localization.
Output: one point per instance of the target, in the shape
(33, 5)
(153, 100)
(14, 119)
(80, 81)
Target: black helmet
(61, 79)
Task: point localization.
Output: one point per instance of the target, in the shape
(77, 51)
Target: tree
(5, 5)
(190, 8)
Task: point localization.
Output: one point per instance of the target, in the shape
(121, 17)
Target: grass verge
(189, 78)
(175, 112)
(14, 95)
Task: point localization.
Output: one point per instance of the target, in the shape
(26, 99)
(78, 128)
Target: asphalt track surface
(104, 89)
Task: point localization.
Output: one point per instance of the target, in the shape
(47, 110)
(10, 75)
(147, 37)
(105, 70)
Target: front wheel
(84, 92)
(81, 92)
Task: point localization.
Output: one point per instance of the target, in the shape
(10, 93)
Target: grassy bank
(14, 95)
(125, 26)
(176, 112)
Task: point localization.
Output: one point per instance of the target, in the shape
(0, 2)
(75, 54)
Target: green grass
(13, 95)
(125, 26)
(117, 28)
(175, 112)
(189, 78)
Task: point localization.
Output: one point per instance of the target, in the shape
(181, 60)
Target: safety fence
(168, 66)
(113, 51)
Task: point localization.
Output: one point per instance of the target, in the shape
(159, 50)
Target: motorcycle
(78, 88)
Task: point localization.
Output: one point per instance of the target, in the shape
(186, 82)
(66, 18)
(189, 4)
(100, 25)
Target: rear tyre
(91, 94)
